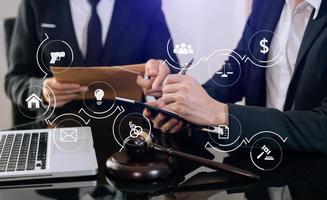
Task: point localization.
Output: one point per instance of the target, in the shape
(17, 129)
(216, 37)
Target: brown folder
(121, 78)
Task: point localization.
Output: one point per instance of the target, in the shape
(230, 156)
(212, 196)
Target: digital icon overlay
(56, 56)
(183, 49)
(264, 46)
(33, 101)
(135, 130)
(226, 71)
(52, 52)
(259, 48)
(99, 99)
(99, 94)
(266, 153)
(68, 135)
(220, 137)
(223, 132)
(224, 68)
(130, 125)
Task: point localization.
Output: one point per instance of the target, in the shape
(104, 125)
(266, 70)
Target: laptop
(47, 153)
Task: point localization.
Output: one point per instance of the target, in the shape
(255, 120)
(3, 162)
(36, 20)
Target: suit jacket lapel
(313, 30)
(66, 31)
(120, 19)
(274, 8)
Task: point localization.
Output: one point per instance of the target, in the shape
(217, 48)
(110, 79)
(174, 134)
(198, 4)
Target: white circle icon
(99, 94)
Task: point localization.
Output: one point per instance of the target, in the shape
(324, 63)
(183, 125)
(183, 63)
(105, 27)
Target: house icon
(33, 101)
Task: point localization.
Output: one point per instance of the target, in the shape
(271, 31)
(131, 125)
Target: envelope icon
(68, 135)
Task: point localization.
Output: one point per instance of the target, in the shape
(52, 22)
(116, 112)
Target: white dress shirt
(287, 40)
(81, 13)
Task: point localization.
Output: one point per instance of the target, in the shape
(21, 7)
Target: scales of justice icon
(226, 70)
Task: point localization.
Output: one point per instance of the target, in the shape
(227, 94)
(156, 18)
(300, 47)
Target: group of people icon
(183, 49)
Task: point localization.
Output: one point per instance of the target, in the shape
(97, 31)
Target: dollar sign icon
(263, 44)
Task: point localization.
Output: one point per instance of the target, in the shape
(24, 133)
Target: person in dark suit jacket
(100, 32)
(289, 98)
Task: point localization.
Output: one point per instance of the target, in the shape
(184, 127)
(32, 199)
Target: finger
(159, 120)
(70, 91)
(84, 88)
(147, 114)
(169, 98)
(155, 103)
(68, 97)
(177, 127)
(162, 74)
(63, 92)
(167, 126)
(171, 88)
(156, 94)
(152, 68)
(173, 107)
(62, 86)
(144, 83)
(160, 104)
(62, 102)
(174, 78)
(151, 93)
(159, 89)
(48, 96)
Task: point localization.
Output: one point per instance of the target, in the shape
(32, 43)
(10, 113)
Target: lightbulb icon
(99, 93)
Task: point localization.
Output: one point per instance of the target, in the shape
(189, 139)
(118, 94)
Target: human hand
(160, 121)
(186, 97)
(59, 94)
(156, 71)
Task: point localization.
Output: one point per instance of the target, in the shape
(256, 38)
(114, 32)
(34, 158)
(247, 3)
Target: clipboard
(122, 80)
(155, 111)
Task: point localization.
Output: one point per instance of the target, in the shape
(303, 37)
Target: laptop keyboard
(23, 151)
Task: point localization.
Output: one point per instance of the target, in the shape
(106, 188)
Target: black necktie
(94, 37)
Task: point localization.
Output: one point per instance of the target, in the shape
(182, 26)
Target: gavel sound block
(148, 168)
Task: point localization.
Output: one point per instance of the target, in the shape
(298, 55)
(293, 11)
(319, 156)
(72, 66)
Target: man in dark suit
(289, 98)
(100, 32)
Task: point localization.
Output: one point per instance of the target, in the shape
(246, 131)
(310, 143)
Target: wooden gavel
(140, 145)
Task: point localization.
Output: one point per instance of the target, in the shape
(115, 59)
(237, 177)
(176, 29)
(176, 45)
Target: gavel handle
(203, 161)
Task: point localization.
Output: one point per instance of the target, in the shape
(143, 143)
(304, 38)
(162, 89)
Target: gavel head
(137, 147)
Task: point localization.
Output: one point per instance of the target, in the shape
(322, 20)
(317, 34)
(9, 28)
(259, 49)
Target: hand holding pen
(184, 96)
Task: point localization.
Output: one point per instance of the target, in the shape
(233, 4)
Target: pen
(186, 67)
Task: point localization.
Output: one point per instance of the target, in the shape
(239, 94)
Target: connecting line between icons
(258, 65)
(122, 110)
(245, 141)
(209, 145)
(244, 58)
(205, 59)
(37, 55)
(227, 52)
(118, 108)
(202, 59)
(86, 122)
